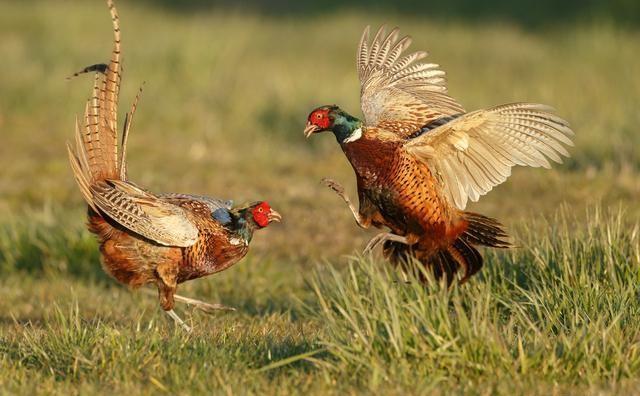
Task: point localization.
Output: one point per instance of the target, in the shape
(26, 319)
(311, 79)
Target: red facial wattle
(261, 214)
(320, 118)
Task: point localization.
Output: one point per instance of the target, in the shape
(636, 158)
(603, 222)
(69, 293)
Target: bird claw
(339, 189)
(373, 243)
(334, 185)
(381, 238)
(211, 308)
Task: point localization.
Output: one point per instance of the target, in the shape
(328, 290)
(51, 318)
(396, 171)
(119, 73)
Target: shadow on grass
(259, 308)
(69, 347)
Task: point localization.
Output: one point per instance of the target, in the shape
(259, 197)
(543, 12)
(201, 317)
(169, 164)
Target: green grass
(557, 315)
(562, 311)
(225, 101)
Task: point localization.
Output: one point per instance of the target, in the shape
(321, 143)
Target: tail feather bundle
(95, 156)
(485, 231)
(461, 255)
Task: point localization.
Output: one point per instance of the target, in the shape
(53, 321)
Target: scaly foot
(201, 305)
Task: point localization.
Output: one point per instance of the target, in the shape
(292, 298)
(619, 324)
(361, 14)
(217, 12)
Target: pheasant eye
(260, 210)
(318, 116)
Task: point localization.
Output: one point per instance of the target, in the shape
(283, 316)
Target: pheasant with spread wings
(147, 238)
(419, 157)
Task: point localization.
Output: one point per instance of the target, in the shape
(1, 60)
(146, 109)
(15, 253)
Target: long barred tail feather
(95, 156)
(128, 120)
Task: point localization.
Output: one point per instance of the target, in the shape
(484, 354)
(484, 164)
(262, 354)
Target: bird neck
(242, 226)
(246, 231)
(346, 127)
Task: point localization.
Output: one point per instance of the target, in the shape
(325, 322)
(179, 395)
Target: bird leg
(166, 280)
(179, 321)
(203, 306)
(339, 189)
(167, 302)
(383, 237)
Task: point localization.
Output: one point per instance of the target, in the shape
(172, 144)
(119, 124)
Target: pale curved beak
(310, 129)
(274, 216)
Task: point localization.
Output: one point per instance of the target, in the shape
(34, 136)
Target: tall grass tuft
(563, 307)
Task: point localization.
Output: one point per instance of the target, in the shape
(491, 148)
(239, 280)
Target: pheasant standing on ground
(147, 238)
(419, 157)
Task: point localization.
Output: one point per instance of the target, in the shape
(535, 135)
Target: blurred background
(229, 85)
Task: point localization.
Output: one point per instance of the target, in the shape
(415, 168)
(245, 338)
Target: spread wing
(396, 89)
(144, 213)
(476, 151)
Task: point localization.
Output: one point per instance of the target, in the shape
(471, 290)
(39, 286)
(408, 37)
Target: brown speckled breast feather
(402, 189)
(132, 259)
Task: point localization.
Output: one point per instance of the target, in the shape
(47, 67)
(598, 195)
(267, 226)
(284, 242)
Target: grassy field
(226, 97)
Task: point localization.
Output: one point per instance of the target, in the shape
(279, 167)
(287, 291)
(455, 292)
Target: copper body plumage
(419, 157)
(147, 238)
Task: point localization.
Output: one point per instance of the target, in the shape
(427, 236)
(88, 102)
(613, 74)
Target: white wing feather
(475, 152)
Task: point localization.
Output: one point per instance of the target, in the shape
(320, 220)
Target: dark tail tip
(98, 67)
(485, 231)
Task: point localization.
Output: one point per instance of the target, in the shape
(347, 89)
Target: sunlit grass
(559, 313)
(562, 309)
(225, 100)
